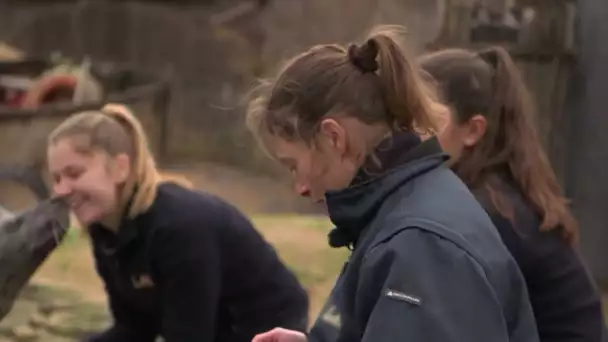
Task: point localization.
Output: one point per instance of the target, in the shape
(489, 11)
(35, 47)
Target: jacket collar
(401, 158)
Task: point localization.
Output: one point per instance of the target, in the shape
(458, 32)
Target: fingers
(269, 336)
(274, 335)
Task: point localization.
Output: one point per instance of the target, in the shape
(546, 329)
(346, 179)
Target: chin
(323, 207)
(87, 218)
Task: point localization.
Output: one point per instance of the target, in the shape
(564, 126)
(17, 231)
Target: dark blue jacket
(193, 268)
(427, 265)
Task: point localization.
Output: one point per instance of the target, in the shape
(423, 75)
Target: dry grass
(300, 241)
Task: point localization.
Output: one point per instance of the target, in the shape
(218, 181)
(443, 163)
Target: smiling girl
(176, 263)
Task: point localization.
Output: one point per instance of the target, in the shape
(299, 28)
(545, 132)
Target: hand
(280, 335)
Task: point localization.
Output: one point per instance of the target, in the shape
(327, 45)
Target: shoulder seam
(441, 231)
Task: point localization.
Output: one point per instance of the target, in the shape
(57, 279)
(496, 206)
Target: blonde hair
(115, 130)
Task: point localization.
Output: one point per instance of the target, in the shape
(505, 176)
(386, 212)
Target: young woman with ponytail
(496, 151)
(426, 263)
(176, 263)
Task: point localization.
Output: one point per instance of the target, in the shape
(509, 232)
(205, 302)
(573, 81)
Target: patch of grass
(52, 314)
(300, 241)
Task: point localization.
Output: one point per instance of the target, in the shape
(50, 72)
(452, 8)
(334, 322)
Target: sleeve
(121, 330)
(188, 266)
(427, 289)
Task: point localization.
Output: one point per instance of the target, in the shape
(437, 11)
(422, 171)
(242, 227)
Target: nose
(302, 190)
(62, 188)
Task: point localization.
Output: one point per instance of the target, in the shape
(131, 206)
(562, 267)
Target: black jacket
(192, 268)
(427, 263)
(566, 303)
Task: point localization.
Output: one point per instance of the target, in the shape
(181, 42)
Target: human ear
(475, 129)
(121, 168)
(335, 135)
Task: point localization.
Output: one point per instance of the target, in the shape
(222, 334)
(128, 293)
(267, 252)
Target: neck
(375, 136)
(401, 158)
(123, 204)
(389, 152)
(112, 222)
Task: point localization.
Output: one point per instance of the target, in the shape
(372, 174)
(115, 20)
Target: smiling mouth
(75, 204)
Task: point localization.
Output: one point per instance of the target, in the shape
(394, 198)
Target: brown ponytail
(374, 82)
(407, 97)
(489, 83)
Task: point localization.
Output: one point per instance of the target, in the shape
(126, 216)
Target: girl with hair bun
(176, 263)
(427, 264)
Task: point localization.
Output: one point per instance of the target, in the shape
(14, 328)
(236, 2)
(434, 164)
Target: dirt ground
(47, 313)
(252, 194)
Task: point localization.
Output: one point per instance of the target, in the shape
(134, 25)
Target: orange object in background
(48, 89)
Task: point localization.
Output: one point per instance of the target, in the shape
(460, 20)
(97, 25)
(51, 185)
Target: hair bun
(364, 56)
(490, 56)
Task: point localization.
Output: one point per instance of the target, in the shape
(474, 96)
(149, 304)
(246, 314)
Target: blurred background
(184, 67)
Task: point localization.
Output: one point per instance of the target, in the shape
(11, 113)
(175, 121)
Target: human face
(89, 182)
(326, 166)
(455, 137)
